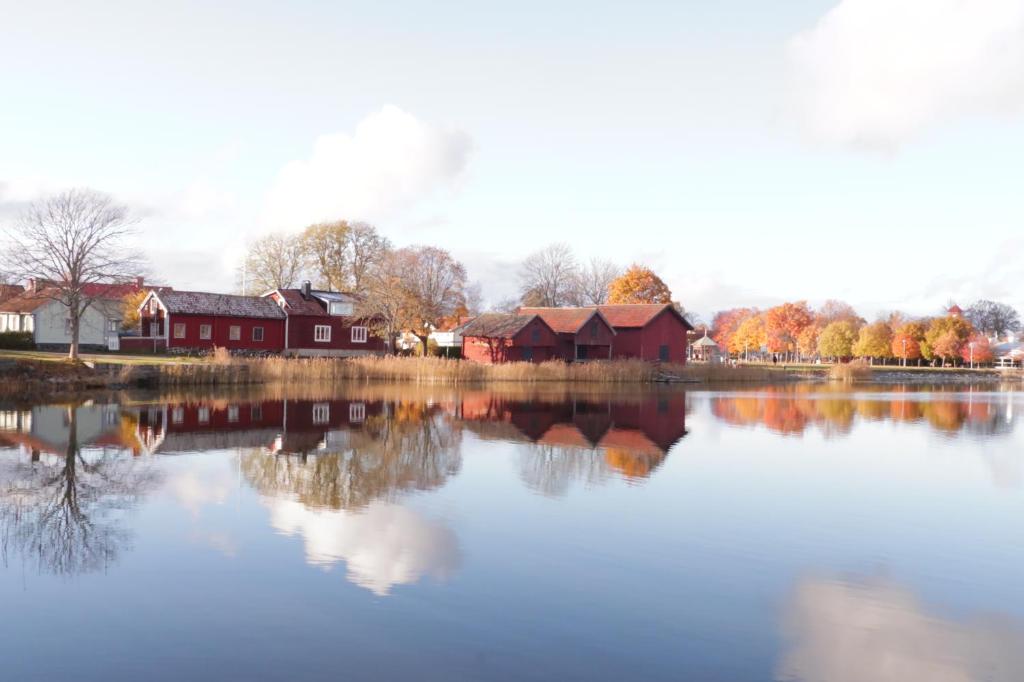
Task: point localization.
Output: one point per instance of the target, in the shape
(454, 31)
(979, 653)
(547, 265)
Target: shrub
(858, 370)
(17, 341)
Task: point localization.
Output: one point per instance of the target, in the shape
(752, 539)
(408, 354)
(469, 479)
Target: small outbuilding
(583, 333)
(505, 337)
(201, 320)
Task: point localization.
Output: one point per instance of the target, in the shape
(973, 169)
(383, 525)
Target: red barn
(323, 323)
(200, 320)
(583, 333)
(655, 331)
(500, 337)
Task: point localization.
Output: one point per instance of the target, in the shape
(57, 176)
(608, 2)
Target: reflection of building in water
(793, 409)
(875, 631)
(288, 426)
(65, 480)
(47, 428)
(630, 436)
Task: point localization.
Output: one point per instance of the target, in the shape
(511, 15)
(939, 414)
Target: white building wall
(52, 327)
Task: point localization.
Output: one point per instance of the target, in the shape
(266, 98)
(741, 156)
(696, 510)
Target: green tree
(837, 339)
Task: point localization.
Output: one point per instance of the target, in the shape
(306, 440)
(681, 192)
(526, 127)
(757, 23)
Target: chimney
(307, 289)
(139, 281)
(32, 284)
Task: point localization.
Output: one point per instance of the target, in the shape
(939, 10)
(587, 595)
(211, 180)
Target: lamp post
(971, 344)
(904, 351)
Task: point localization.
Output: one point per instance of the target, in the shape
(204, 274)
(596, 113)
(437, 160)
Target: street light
(904, 352)
(971, 344)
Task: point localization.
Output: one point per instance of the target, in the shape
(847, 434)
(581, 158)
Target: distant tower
(955, 311)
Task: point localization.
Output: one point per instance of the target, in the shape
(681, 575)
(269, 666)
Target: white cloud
(391, 161)
(876, 72)
(382, 545)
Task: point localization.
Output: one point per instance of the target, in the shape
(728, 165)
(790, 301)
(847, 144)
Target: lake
(803, 532)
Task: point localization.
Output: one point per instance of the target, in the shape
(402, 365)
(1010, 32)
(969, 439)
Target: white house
(48, 320)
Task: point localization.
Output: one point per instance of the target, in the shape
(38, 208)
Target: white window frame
(205, 332)
(235, 332)
(203, 415)
(340, 308)
(360, 334)
(356, 412)
(232, 413)
(177, 415)
(322, 333)
(179, 330)
(113, 325)
(321, 413)
(261, 335)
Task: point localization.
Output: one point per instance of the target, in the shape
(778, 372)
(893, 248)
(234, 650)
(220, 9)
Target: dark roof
(565, 320)
(219, 305)
(28, 300)
(637, 314)
(316, 304)
(8, 291)
(497, 325)
(25, 302)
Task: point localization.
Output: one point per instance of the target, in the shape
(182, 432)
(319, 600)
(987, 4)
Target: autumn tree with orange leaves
(783, 325)
(638, 284)
(726, 322)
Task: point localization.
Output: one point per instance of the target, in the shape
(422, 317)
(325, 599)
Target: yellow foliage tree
(749, 336)
(130, 309)
(639, 285)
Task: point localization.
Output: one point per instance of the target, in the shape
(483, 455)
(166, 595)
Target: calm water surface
(799, 533)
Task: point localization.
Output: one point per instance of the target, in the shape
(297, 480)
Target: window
(322, 333)
(178, 415)
(234, 332)
(204, 415)
(179, 330)
(154, 329)
(663, 353)
(232, 413)
(67, 326)
(257, 333)
(341, 308)
(153, 306)
(359, 334)
(528, 353)
(205, 332)
(256, 413)
(535, 335)
(593, 329)
(113, 325)
(321, 413)
(356, 412)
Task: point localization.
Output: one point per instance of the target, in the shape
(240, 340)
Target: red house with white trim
(323, 323)
(648, 331)
(200, 320)
(493, 338)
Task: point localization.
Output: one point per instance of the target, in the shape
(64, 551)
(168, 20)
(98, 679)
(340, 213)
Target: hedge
(17, 341)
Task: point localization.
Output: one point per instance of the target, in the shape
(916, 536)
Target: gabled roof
(498, 325)
(566, 320)
(218, 305)
(28, 300)
(634, 315)
(8, 291)
(25, 302)
(314, 306)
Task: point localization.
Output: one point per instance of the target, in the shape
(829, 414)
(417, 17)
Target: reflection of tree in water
(410, 446)
(61, 510)
(551, 469)
(791, 410)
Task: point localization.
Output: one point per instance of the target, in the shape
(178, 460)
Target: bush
(17, 341)
(858, 370)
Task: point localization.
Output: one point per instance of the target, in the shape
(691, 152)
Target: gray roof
(497, 325)
(705, 341)
(220, 305)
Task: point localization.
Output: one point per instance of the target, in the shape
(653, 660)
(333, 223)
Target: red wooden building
(583, 333)
(504, 337)
(324, 323)
(200, 320)
(654, 332)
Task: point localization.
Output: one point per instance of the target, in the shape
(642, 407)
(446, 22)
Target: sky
(749, 152)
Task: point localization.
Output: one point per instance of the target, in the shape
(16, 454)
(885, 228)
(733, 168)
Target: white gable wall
(51, 326)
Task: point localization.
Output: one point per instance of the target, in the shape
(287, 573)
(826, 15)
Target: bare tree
(547, 277)
(276, 261)
(990, 317)
(366, 248)
(435, 285)
(593, 280)
(384, 299)
(474, 299)
(325, 246)
(75, 247)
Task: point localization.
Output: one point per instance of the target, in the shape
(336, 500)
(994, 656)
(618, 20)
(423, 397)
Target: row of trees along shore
(418, 289)
(795, 332)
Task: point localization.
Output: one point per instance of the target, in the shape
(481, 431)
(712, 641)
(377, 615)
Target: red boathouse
(503, 337)
(654, 332)
(583, 333)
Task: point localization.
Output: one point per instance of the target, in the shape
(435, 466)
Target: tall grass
(850, 372)
(434, 370)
